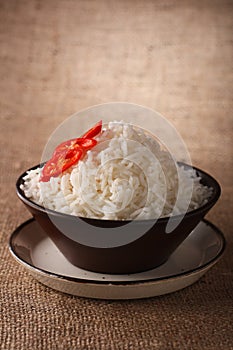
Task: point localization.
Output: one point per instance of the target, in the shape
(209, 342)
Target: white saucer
(30, 246)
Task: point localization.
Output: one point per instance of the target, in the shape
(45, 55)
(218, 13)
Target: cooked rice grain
(126, 176)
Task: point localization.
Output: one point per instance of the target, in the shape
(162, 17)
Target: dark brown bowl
(148, 243)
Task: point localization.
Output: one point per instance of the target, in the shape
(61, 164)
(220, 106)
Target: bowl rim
(211, 200)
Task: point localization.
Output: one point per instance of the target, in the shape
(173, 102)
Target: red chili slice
(66, 146)
(59, 163)
(69, 153)
(86, 143)
(93, 131)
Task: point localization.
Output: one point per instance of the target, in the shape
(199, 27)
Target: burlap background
(58, 57)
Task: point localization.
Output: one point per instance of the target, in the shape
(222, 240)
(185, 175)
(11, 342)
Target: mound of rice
(126, 176)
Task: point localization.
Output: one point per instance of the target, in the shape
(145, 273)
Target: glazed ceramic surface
(32, 248)
(140, 244)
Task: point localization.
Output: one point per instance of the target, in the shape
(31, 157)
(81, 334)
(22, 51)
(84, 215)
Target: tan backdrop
(58, 57)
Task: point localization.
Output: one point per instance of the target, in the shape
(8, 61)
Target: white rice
(126, 176)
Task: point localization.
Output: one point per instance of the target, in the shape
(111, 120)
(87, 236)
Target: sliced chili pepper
(86, 143)
(69, 153)
(66, 146)
(59, 163)
(50, 169)
(93, 131)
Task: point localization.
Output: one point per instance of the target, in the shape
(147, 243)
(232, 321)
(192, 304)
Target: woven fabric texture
(58, 57)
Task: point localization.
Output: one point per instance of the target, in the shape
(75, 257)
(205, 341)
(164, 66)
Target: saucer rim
(43, 272)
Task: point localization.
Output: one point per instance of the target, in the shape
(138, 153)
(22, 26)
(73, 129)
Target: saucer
(32, 248)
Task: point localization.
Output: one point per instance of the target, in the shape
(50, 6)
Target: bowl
(147, 243)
